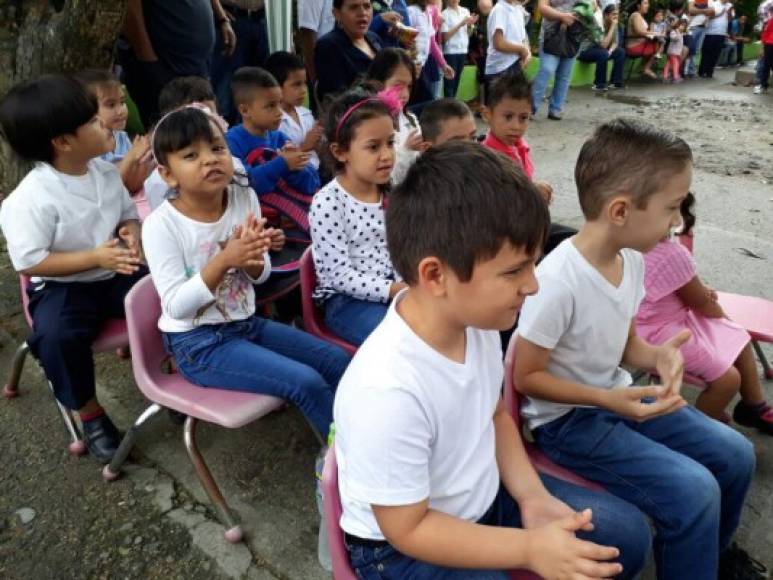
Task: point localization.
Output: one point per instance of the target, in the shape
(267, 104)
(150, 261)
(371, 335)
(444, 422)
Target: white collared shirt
(296, 132)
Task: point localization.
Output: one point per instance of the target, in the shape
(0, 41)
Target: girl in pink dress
(719, 351)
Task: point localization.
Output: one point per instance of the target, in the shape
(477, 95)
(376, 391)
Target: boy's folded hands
(112, 256)
(627, 401)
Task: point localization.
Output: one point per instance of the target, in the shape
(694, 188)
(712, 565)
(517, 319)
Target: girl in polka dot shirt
(355, 277)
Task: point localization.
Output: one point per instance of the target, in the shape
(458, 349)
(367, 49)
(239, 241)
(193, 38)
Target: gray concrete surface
(266, 469)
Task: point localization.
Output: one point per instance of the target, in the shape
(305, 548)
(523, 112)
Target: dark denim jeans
(456, 62)
(262, 356)
(601, 57)
(353, 319)
(689, 473)
(616, 522)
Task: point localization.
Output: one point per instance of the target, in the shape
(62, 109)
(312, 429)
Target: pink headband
(389, 97)
(214, 117)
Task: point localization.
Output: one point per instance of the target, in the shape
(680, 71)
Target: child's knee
(729, 383)
(696, 496)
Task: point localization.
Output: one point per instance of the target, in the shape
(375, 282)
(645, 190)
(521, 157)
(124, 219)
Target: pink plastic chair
(512, 399)
(342, 569)
(112, 337)
(230, 409)
(313, 320)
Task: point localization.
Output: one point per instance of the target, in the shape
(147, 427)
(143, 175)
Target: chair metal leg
(11, 388)
(763, 360)
(112, 470)
(77, 446)
(233, 532)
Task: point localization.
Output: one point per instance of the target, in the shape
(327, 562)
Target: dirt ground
(59, 520)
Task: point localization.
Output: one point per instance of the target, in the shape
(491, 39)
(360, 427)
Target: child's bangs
(180, 130)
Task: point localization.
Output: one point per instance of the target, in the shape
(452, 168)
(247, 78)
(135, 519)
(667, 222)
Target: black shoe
(737, 564)
(759, 417)
(102, 438)
(554, 116)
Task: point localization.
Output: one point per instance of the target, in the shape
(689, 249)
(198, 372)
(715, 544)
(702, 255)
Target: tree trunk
(43, 36)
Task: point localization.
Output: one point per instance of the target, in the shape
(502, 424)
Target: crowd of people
(425, 240)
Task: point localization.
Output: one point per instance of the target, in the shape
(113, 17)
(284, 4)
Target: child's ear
(338, 153)
(432, 276)
(486, 113)
(167, 176)
(243, 110)
(619, 210)
(62, 143)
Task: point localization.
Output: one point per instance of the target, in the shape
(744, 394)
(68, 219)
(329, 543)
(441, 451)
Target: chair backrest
(143, 309)
(312, 317)
(24, 282)
(342, 569)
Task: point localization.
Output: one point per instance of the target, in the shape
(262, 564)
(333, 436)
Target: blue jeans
(617, 523)
(456, 62)
(689, 473)
(353, 319)
(251, 50)
(696, 43)
(601, 57)
(550, 65)
(262, 356)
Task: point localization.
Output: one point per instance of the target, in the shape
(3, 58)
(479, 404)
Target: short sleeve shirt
(460, 41)
(316, 15)
(510, 19)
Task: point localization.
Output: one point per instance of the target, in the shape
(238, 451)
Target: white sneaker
(760, 90)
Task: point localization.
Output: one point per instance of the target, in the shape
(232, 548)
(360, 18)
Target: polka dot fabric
(349, 246)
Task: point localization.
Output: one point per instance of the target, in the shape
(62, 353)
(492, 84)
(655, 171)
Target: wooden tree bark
(42, 36)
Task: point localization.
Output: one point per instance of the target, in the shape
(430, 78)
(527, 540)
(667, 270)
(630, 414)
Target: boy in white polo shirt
(689, 473)
(508, 43)
(71, 226)
(433, 476)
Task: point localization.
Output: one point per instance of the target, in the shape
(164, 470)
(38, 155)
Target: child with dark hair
(718, 351)
(434, 479)
(355, 277)
(508, 111)
(206, 248)
(72, 228)
(298, 122)
(184, 91)
(279, 171)
(687, 472)
(394, 71)
(446, 120)
(132, 157)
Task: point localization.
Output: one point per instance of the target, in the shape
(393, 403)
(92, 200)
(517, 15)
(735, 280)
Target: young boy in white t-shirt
(433, 476)
(508, 43)
(689, 473)
(72, 228)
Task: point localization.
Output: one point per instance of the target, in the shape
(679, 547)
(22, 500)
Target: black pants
(144, 81)
(767, 64)
(66, 318)
(712, 48)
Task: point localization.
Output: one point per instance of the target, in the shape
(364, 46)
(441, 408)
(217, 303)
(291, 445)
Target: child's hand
(244, 249)
(111, 256)
(415, 142)
(670, 363)
(312, 138)
(294, 157)
(546, 191)
(626, 401)
(448, 72)
(525, 56)
(391, 18)
(471, 20)
(130, 235)
(277, 239)
(555, 552)
(139, 152)
(543, 509)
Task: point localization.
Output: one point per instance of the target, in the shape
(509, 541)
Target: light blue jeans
(691, 68)
(262, 356)
(353, 319)
(550, 66)
(689, 473)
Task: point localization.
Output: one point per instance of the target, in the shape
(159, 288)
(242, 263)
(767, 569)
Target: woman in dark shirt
(345, 53)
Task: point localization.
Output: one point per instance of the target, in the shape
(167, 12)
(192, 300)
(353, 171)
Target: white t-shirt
(421, 20)
(178, 247)
(412, 424)
(50, 211)
(583, 319)
(156, 189)
(511, 20)
(404, 157)
(718, 25)
(460, 41)
(349, 245)
(316, 15)
(296, 132)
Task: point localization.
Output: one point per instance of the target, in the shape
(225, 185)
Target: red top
(767, 33)
(518, 152)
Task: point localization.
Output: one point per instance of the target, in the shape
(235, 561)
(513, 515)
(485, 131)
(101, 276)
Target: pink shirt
(518, 152)
(667, 267)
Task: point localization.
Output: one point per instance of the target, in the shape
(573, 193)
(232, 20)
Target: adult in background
(344, 54)
(696, 31)
(555, 13)
(606, 49)
(248, 20)
(386, 15)
(639, 41)
(715, 39)
(738, 31)
(168, 39)
(315, 19)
